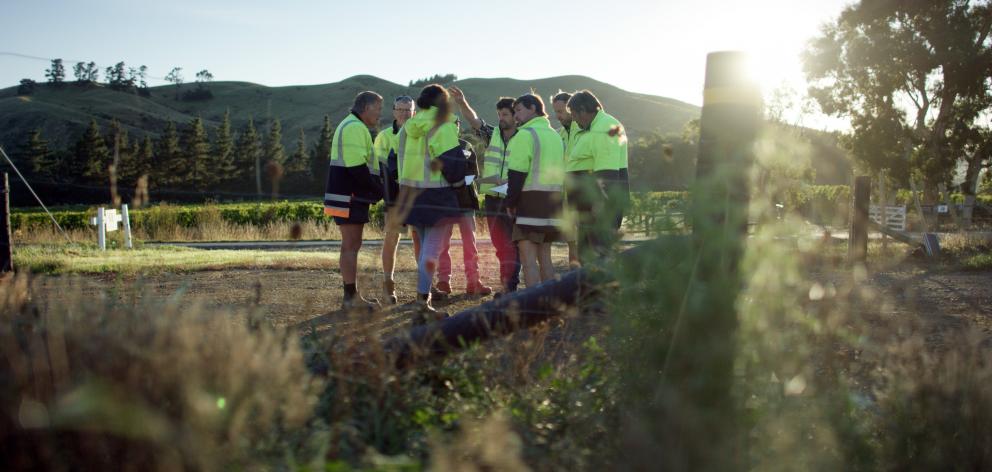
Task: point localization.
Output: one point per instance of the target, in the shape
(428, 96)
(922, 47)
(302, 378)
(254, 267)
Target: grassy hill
(63, 112)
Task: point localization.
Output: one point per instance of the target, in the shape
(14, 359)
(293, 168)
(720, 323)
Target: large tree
(913, 78)
(274, 152)
(175, 76)
(43, 162)
(168, 167)
(92, 156)
(223, 166)
(196, 150)
(299, 161)
(248, 151)
(321, 154)
(56, 75)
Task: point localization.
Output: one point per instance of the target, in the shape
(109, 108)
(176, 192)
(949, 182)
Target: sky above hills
(655, 47)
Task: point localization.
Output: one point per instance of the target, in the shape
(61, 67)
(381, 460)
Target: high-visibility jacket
(350, 178)
(603, 146)
(384, 148)
(568, 135)
(431, 162)
(537, 173)
(494, 165)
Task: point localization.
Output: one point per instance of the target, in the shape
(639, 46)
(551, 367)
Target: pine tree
(322, 152)
(196, 154)
(124, 161)
(118, 145)
(273, 144)
(43, 162)
(92, 155)
(145, 158)
(223, 167)
(167, 156)
(299, 162)
(248, 151)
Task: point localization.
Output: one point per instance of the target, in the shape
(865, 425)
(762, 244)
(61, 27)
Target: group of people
(539, 186)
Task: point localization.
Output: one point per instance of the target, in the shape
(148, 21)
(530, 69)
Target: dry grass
(47, 259)
(102, 385)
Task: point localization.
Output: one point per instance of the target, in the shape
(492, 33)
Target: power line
(9, 161)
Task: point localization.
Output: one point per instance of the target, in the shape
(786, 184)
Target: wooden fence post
(703, 356)
(857, 243)
(6, 255)
(883, 204)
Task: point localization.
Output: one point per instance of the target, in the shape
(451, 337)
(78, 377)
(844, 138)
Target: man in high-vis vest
(568, 130)
(537, 173)
(597, 171)
(385, 147)
(492, 184)
(353, 185)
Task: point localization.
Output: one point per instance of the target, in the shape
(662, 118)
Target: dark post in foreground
(702, 356)
(6, 259)
(857, 243)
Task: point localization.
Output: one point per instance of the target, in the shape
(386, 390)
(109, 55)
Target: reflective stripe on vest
(426, 182)
(528, 221)
(333, 197)
(494, 165)
(535, 169)
(339, 162)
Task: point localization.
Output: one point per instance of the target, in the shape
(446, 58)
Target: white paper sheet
(502, 189)
(469, 179)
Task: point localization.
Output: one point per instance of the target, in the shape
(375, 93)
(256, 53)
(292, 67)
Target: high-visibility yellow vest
(494, 165)
(603, 146)
(568, 135)
(421, 141)
(385, 142)
(537, 149)
(351, 147)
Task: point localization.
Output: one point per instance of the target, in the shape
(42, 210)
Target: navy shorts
(358, 214)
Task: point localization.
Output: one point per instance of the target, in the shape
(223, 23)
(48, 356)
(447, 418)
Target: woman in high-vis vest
(352, 185)
(537, 172)
(432, 163)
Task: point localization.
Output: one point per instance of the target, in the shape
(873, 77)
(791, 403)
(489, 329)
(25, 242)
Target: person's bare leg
(416, 244)
(351, 243)
(528, 259)
(573, 254)
(544, 260)
(390, 243)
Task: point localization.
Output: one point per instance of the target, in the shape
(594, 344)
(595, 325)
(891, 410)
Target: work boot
(360, 303)
(444, 287)
(438, 295)
(389, 291)
(426, 312)
(476, 288)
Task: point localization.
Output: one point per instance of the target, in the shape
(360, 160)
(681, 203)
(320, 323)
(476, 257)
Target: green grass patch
(978, 262)
(46, 259)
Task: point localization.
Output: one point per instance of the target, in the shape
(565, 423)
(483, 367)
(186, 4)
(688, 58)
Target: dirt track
(940, 302)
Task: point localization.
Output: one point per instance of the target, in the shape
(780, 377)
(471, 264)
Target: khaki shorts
(539, 237)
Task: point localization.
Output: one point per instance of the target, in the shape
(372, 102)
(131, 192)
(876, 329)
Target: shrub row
(827, 204)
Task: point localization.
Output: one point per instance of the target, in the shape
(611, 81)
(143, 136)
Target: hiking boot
(443, 287)
(426, 312)
(359, 303)
(438, 295)
(389, 291)
(476, 288)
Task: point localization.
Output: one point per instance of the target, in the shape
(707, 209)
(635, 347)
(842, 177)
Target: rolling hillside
(62, 113)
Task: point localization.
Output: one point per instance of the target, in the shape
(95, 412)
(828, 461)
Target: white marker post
(101, 230)
(127, 226)
(106, 220)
